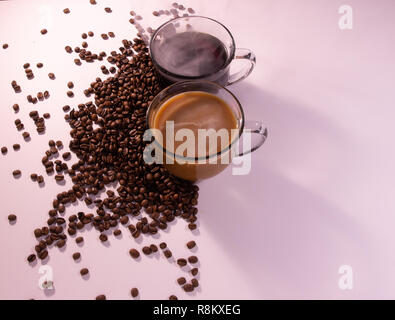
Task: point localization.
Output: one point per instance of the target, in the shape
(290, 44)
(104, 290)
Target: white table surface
(321, 190)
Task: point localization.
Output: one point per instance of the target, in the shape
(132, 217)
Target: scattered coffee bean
(194, 271)
(193, 259)
(191, 244)
(191, 11)
(155, 13)
(181, 281)
(134, 292)
(34, 176)
(173, 297)
(66, 108)
(5, 46)
(31, 258)
(76, 255)
(181, 262)
(51, 76)
(103, 237)
(39, 65)
(11, 217)
(84, 271)
(4, 150)
(16, 146)
(44, 31)
(153, 248)
(70, 94)
(134, 253)
(46, 115)
(147, 250)
(91, 34)
(66, 155)
(195, 282)
(92, 1)
(84, 44)
(111, 34)
(117, 232)
(66, 10)
(16, 173)
(40, 179)
(101, 297)
(43, 254)
(107, 9)
(79, 239)
(77, 62)
(168, 254)
(192, 226)
(163, 245)
(188, 287)
(68, 49)
(59, 177)
(70, 85)
(61, 243)
(104, 36)
(84, 36)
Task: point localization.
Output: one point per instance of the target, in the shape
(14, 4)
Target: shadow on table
(271, 227)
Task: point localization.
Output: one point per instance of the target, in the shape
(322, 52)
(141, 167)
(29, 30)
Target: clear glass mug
(199, 168)
(209, 27)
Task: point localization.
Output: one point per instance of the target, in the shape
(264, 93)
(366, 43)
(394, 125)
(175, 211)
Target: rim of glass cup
(164, 70)
(157, 101)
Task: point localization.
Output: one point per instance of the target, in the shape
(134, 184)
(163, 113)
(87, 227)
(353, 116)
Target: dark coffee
(191, 54)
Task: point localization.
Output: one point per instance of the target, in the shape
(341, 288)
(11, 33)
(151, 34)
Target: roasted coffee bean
(61, 243)
(16, 146)
(103, 237)
(155, 13)
(44, 31)
(15, 107)
(84, 36)
(40, 65)
(104, 36)
(51, 76)
(84, 44)
(11, 217)
(31, 258)
(91, 34)
(16, 173)
(181, 262)
(191, 11)
(77, 61)
(5, 46)
(195, 282)
(79, 239)
(59, 177)
(191, 244)
(107, 9)
(117, 232)
(43, 254)
(66, 10)
(173, 297)
(101, 297)
(194, 271)
(34, 177)
(134, 292)
(4, 150)
(70, 94)
(26, 135)
(92, 1)
(68, 49)
(188, 287)
(66, 108)
(193, 259)
(40, 179)
(153, 248)
(84, 271)
(181, 281)
(167, 253)
(76, 255)
(70, 85)
(146, 250)
(192, 226)
(134, 253)
(46, 115)
(163, 245)
(38, 233)
(111, 34)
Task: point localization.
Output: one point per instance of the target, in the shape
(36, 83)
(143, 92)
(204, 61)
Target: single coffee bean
(193, 259)
(61, 243)
(84, 271)
(104, 36)
(31, 258)
(134, 253)
(103, 237)
(173, 297)
(70, 94)
(51, 76)
(34, 176)
(101, 297)
(4, 150)
(79, 239)
(66, 108)
(146, 250)
(40, 179)
(84, 36)
(66, 10)
(15, 107)
(26, 135)
(40, 65)
(16, 173)
(181, 281)
(43, 254)
(70, 85)
(191, 244)
(91, 34)
(68, 49)
(11, 217)
(84, 44)
(77, 61)
(44, 31)
(194, 271)
(117, 232)
(163, 245)
(92, 1)
(192, 226)
(76, 255)
(153, 248)
(16, 146)
(111, 34)
(46, 115)
(195, 282)
(59, 177)
(5, 46)
(168, 254)
(37, 233)
(181, 262)
(188, 287)
(107, 9)
(134, 292)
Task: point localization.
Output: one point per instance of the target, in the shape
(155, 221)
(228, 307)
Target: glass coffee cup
(200, 166)
(197, 48)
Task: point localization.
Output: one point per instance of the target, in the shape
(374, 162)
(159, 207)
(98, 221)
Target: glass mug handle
(245, 54)
(256, 128)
